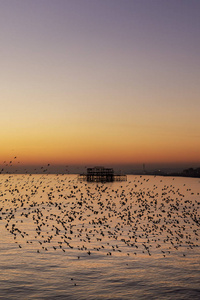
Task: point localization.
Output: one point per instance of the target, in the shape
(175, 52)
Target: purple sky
(77, 73)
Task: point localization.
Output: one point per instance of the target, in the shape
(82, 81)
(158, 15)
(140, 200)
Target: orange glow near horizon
(98, 149)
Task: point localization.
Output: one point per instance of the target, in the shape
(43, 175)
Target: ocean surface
(64, 239)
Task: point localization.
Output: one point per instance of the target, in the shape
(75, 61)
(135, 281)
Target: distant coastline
(61, 170)
(190, 172)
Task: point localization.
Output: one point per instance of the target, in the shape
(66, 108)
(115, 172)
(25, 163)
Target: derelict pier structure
(101, 174)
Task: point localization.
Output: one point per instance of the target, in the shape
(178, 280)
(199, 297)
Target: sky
(100, 82)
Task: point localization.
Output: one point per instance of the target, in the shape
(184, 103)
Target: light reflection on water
(55, 274)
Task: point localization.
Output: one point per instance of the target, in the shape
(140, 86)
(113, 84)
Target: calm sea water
(64, 239)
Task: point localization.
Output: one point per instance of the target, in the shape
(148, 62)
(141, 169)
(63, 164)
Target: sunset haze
(100, 82)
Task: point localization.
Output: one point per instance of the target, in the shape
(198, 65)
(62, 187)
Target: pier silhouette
(101, 174)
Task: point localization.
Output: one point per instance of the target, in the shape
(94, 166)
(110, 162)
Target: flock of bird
(146, 215)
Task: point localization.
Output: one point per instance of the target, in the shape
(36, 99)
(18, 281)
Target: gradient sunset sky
(100, 81)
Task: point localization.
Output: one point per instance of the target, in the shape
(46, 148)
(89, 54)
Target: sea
(65, 239)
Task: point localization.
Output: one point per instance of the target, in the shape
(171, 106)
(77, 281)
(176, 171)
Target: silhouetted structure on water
(101, 174)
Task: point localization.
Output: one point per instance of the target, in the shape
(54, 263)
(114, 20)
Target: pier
(101, 174)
